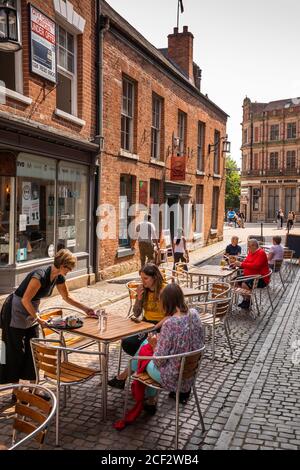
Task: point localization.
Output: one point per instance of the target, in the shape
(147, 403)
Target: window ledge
(122, 252)
(14, 95)
(217, 176)
(197, 236)
(126, 154)
(69, 117)
(200, 173)
(153, 161)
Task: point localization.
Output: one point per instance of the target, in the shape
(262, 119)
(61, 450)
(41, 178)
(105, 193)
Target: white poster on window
(30, 203)
(22, 222)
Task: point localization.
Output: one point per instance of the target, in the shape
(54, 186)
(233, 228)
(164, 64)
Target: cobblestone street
(248, 402)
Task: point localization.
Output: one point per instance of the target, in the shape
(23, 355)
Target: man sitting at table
(255, 264)
(276, 252)
(233, 249)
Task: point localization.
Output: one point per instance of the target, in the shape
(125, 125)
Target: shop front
(45, 205)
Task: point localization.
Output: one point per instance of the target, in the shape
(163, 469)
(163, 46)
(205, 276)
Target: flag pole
(178, 15)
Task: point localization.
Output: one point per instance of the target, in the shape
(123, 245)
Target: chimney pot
(185, 29)
(175, 30)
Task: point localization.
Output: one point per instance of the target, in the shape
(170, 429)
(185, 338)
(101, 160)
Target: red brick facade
(43, 92)
(121, 59)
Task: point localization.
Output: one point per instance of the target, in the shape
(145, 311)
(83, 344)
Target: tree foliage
(233, 184)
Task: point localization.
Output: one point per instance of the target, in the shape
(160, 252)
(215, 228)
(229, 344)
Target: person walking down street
(147, 240)
(231, 217)
(281, 214)
(180, 249)
(290, 221)
(294, 218)
(20, 318)
(278, 219)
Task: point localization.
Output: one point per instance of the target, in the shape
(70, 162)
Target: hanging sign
(42, 45)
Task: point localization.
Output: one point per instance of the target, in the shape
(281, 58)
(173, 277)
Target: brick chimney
(180, 50)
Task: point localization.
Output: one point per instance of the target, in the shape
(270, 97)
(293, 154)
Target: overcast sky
(243, 47)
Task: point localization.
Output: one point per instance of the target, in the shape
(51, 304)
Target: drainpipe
(102, 27)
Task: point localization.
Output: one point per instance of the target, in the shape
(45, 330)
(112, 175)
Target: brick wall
(43, 92)
(120, 59)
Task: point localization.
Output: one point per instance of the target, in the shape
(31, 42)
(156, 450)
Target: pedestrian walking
(281, 214)
(278, 219)
(290, 221)
(180, 249)
(147, 240)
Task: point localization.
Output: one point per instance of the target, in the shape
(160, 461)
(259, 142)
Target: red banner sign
(178, 165)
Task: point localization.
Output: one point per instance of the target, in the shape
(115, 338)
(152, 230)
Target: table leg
(104, 369)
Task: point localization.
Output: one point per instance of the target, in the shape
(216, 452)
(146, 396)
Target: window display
(35, 206)
(72, 207)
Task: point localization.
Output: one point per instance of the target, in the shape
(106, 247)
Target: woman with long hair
(181, 332)
(147, 301)
(180, 248)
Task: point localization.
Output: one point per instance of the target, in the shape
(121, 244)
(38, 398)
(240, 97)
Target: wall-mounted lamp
(9, 31)
(226, 145)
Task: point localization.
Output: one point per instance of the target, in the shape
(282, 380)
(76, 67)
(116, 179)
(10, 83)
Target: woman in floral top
(181, 332)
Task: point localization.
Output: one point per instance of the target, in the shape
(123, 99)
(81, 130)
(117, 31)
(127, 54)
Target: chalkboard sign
(293, 243)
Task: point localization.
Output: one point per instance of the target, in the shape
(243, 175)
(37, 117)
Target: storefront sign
(178, 164)
(43, 45)
(143, 193)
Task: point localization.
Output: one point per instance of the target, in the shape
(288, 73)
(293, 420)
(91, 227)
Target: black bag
(5, 313)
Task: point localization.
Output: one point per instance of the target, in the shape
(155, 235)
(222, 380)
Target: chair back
(48, 316)
(46, 359)
(189, 364)
(277, 265)
(32, 413)
(288, 254)
(220, 290)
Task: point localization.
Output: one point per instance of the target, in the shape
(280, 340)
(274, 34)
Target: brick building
(157, 127)
(47, 125)
(270, 159)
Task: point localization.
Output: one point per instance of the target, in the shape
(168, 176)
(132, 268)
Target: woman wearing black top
(20, 320)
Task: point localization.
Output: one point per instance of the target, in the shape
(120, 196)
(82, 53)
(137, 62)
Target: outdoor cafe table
(210, 271)
(189, 292)
(117, 328)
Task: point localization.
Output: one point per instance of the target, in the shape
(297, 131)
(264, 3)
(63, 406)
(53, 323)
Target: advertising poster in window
(31, 203)
(43, 45)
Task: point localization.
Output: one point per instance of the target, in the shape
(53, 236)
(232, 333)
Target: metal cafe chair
(238, 291)
(188, 368)
(32, 413)
(52, 361)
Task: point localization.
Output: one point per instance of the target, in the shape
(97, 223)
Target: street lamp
(226, 145)
(9, 34)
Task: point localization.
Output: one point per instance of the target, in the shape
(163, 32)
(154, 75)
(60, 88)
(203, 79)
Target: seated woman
(181, 332)
(276, 252)
(148, 301)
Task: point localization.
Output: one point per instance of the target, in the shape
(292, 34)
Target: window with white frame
(66, 91)
(290, 159)
(127, 115)
(11, 74)
(182, 130)
(201, 146)
(156, 126)
(291, 130)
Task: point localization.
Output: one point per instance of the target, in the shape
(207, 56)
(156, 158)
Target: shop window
(66, 92)
(35, 207)
(72, 207)
(256, 199)
(6, 222)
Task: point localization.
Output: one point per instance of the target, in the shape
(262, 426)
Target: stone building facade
(270, 159)
(157, 129)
